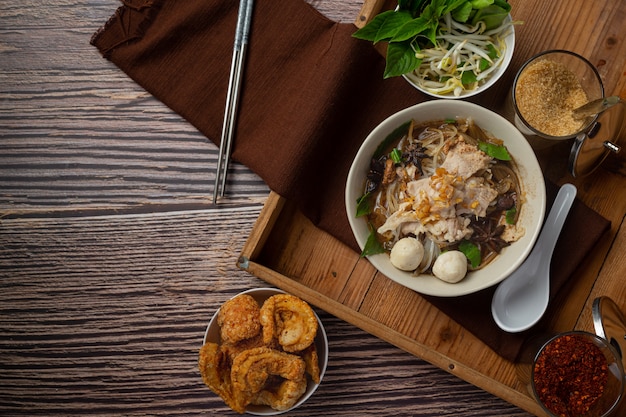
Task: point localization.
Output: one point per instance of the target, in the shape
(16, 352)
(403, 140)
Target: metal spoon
(522, 298)
(595, 107)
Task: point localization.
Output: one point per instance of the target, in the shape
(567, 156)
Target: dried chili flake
(570, 375)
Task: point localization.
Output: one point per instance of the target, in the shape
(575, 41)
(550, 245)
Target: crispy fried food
(290, 320)
(284, 397)
(264, 352)
(234, 349)
(214, 367)
(238, 319)
(311, 362)
(252, 368)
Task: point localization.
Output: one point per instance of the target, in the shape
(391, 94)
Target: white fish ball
(450, 266)
(407, 254)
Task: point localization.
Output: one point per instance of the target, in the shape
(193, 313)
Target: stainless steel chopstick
(244, 18)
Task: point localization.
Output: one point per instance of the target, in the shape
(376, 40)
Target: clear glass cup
(539, 359)
(545, 91)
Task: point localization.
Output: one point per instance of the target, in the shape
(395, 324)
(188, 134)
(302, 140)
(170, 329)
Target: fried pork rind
(284, 397)
(215, 369)
(252, 369)
(262, 363)
(311, 362)
(290, 320)
(238, 319)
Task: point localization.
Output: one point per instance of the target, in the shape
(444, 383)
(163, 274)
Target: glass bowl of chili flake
(578, 374)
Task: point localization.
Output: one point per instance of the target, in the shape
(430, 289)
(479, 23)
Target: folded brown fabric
(311, 94)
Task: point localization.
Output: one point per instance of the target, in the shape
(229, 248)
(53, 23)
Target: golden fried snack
(264, 353)
(311, 362)
(238, 319)
(284, 397)
(234, 349)
(290, 320)
(252, 368)
(215, 370)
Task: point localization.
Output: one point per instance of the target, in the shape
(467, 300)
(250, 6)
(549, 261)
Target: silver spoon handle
(595, 107)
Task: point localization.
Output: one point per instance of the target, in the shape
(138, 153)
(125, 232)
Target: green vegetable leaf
(471, 252)
(481, 4)
(372, 245)
(493, 15)
(462, 12)
(468, 77)
(455, 4)
(392, 25)
(495, 151)
(492, 52)
(510, 215)
(411, 29)
(401, 59)
(363, 206)
(370, 31)
(396, 134)
(483, 64)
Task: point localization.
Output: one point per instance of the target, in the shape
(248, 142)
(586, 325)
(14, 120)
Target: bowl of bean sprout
(446, 48)
(466, 60)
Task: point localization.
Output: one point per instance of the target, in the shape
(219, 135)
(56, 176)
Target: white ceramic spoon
(522, 298)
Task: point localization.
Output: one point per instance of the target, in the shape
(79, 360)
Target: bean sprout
(460, 48)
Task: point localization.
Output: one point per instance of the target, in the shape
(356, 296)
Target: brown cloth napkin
(311, 94)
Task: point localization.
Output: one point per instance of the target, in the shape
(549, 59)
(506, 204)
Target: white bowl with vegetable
(455, 51)
(457, 178)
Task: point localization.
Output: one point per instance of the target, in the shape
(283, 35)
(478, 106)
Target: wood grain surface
(113, 260)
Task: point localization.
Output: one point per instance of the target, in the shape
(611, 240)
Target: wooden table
(112, 258)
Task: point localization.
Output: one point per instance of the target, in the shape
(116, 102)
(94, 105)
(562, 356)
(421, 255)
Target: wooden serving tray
(286, 250)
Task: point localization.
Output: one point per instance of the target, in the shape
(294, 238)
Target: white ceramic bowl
(530, 217)
(212, 334)
(509, 40)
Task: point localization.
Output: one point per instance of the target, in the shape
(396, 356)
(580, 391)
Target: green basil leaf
(483, 64)
(452, 5)
(493, 16)
(510, 215)
(503, 4)
(363, 206)
(468, 77)
(495, 151)
(372, 245)
(392, 25)
(411, 29)
(492, 52)
(401, 59)
(462, 13)
(370, 31)
(471, 252)
(481, 4)
(396, 134)
(438, 8)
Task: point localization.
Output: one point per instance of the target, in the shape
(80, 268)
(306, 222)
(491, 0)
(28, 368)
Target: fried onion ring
(290, 320)
(238, 319)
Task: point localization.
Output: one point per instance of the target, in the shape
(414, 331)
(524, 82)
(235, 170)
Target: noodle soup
(441, 198)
